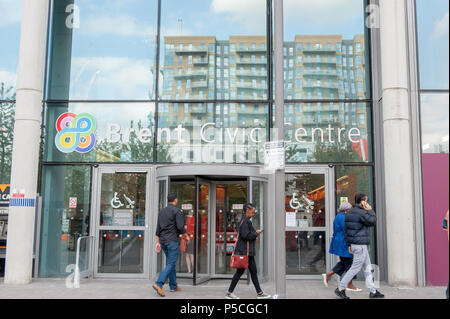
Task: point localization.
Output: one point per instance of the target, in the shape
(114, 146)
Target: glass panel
(326, 54)
(87, 132)
(305, 200)
(7, 114)
(432, 31)
(63, 187)
(162, 198)
(10, 39)
(328, 132)
(212, 133)
(230, 200)
(352, 180)
(123, 199)
(202, 230)
(121, 251)
(186, 197)
(434, 117)
(259, 196)
(305, 253)
(102, 50)
(207, 61)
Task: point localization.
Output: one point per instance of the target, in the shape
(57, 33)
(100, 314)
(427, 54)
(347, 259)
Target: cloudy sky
(114, 48)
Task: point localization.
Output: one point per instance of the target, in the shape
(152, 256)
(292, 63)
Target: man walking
(356, 234)
(170, 225)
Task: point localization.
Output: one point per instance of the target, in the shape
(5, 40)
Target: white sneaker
(263, 296)
(324, 277)
(231, 296)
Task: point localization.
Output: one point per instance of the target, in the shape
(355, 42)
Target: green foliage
(7, 115)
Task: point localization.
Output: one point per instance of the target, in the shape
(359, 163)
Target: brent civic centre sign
(77, 133)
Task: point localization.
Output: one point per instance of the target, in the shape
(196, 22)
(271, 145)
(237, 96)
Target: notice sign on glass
(274, 155)
(291, 219)
(123, 217)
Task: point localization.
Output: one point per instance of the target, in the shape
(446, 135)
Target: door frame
(95, 217)
(197, 279)
(214, 183)
(330, 212)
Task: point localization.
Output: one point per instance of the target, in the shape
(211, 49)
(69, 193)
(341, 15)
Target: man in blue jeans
(170, 226)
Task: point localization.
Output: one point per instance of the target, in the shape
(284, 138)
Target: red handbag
(239, 261)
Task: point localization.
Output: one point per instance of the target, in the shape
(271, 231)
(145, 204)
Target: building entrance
(212, 206)
(219, 205)
(121, 206)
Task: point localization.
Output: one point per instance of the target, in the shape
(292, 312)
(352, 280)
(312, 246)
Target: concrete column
(401, 251)
(27, 131)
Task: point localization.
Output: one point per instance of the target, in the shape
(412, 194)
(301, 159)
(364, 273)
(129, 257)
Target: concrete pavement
(214, 289)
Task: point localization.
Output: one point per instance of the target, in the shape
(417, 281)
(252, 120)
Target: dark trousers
(343, 265)
(253, 274)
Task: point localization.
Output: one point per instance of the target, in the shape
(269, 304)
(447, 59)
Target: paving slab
(214, 289)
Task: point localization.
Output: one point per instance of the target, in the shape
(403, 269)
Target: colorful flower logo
(76, 133)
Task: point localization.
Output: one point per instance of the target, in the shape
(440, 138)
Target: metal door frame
(248, 172)
(197, 280)
(95, 217)
(330, 213)
(215, 182)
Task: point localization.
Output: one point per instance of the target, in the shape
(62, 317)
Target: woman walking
(339, 248)
(246, 238)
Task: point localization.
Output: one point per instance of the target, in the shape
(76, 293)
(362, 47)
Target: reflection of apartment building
(316, 67)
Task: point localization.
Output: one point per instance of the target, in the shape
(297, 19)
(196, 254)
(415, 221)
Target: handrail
(77, 259)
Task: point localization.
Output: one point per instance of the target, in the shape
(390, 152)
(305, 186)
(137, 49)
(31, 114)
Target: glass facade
(62, 224)
(10, 39)
(143, 83)
(102, 50)
(433, 57)
(9, 57)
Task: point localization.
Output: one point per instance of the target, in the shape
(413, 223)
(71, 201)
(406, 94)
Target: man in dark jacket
(357, 236)
(170, 225)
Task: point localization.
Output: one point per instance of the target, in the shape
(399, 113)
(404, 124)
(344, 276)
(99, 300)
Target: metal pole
(280, 216)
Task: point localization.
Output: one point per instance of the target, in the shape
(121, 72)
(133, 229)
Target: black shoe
(341, 294)
(377, 294)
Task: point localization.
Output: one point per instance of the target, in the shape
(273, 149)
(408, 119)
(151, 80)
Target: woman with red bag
(245, 245)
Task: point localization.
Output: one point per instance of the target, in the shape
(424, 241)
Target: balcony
(193, 74)
(320, 61)
(327, 86)
(251, 50)
(321, 73)
(191, 50)
(197, 110)
(320, 50)
(250, 86)
(199, 85)
(251, 74)
(200, 62)
(251, 62)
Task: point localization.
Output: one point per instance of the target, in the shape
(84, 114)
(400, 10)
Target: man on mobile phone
(357, 235)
